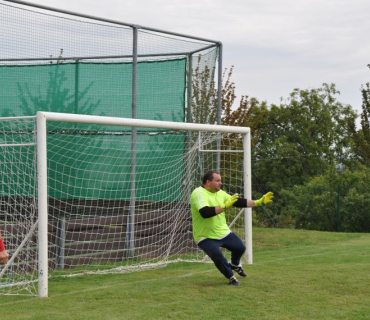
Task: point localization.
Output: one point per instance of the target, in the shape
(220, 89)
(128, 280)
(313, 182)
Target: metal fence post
(130, 238)
(219, 103)
(338, 208)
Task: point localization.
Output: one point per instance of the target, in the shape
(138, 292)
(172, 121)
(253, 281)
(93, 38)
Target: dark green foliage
(361, 137)
(295, 149)
(316, 206)
(301, 138)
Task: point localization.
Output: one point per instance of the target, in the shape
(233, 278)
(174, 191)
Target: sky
(274, 45)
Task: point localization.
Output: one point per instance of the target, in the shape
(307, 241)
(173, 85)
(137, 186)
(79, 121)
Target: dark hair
(208, 176)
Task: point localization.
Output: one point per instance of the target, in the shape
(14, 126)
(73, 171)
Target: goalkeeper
(208, 207)
(3, 254)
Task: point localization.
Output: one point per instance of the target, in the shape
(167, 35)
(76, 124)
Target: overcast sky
(274, 45)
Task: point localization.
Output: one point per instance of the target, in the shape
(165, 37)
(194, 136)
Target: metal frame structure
(42, 117)
(208, 45)
(135, 55)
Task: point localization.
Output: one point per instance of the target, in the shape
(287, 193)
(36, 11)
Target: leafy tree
(203, 107)
(361, 137)
(204, 110)
(314, 205)
(301, 138)
(205, 101)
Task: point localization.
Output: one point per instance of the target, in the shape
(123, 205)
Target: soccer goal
(90, 194)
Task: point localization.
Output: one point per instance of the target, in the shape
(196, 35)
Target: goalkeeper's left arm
(244, 203)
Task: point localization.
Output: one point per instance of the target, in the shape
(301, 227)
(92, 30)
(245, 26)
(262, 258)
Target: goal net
(106, 195)
(18, 208)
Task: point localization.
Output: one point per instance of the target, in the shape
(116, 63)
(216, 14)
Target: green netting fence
(58, 61)
(95, 89)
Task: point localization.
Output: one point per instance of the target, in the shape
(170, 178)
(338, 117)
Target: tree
(203, 107)
(361, 137)
(204, 110)
(205, 101)
(315, 204)
(301, 138)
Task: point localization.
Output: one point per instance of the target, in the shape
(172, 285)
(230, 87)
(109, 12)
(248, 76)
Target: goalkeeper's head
(212, 181)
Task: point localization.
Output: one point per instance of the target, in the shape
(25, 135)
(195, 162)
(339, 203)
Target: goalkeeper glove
(230, 202)
(266, 198)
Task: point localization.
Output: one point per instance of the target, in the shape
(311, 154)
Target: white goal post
(157, 189)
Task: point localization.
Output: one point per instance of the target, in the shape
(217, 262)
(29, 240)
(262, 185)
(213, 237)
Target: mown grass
(296, 275)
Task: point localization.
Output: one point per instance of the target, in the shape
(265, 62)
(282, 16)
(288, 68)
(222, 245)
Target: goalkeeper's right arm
(230, 202)
(209, 212)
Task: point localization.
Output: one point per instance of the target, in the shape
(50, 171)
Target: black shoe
(234, 282)
(238, 269)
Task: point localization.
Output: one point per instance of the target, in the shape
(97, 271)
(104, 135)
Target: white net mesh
(18, 204)
(115, 207)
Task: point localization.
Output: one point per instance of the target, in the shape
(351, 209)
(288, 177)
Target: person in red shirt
(4, 256)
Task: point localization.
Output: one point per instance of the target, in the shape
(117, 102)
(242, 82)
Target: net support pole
(130, 238)
(219, 103)
(61, 243)
(248, 195)
(77, 80)
(189, 119)
(42, 206)
(219, 84)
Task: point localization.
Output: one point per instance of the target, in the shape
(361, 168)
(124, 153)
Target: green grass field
(296, 275)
